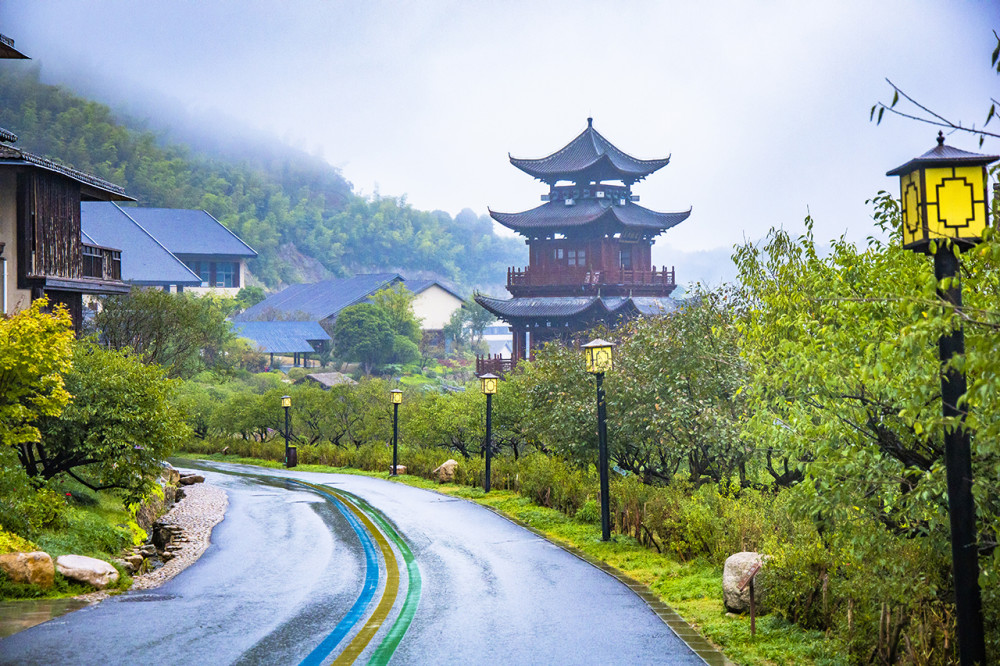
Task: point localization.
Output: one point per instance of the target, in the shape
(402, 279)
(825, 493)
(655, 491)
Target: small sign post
(748, 580)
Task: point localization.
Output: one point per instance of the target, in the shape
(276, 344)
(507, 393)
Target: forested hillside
(290, 210)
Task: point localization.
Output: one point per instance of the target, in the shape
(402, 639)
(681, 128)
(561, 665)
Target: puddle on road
(17, 616)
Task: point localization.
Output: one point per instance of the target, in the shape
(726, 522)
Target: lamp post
(488, 384)
(286, 402)
(396, 397)
(599, 360)
(946, 210)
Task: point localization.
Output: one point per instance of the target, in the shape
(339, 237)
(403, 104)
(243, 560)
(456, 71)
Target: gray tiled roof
(144, 260)
(320, 300)
(591, 153)
(106, 190)
(556, 215)
(556, 307)
(418, 286)
(941, 154)
(281, 337)
(190, 232)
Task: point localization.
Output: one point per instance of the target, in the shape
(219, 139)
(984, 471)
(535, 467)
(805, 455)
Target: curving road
(312, 568)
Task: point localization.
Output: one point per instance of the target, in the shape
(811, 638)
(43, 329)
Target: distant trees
(364, 334)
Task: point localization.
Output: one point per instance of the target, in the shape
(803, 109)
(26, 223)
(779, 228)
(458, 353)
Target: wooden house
(589, 259)
(42, 251)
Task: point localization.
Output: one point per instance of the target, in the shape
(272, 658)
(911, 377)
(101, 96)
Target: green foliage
(35, 353)
(282, 204)
(118, 427)
(249, 296)
(364, 334)
(466, 325)
(397, 304)
(180, 332)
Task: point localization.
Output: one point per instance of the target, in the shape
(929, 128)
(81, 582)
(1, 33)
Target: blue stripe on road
(316, 657)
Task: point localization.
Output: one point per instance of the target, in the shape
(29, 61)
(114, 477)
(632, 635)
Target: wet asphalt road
(285, 566)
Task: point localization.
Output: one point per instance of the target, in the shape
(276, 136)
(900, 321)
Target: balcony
(101, 263)
(572, 281)
(494, 364)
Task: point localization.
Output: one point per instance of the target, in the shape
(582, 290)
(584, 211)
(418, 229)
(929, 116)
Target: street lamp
(396, 397)
(488, 384)
(290, 457)
(945, 211)
(599, 360)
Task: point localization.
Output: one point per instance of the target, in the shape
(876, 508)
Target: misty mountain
(297, 211)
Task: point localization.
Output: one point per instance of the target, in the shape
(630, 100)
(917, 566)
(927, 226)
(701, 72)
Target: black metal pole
(958, 462)
(286, 436)
(489, 439)
(602, 463)
(395, 434)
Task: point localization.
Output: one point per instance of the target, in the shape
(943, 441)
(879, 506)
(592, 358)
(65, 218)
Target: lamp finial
(940, 138)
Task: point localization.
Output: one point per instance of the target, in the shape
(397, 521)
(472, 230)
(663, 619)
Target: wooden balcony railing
(494, 364)
(102, 263)
(584, 277)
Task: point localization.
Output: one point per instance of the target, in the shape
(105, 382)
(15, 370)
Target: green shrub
(13, 543)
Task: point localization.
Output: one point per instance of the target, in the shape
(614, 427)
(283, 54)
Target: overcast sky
(762, 105)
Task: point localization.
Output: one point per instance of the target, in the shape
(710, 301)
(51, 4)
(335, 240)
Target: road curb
(684, 631)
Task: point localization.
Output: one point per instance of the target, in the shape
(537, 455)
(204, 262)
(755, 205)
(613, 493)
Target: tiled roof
(144, 260)
(7, 49)
(108, 191)
(555, 307)
(330, 379)
(190, 232)
(281, 337)
(589, 153)
(942, 154)
(556, 215)
(320, 300)
(418, 286)
(7, 136)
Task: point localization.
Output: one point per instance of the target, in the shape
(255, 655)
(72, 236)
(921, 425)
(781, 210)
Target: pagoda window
(558, 254)
(626, 257)
(577, 257)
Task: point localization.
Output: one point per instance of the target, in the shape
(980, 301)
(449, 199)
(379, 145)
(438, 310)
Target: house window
(557, 253)
(201, 268)
(577, 257)
(226, 274)
(626, 258)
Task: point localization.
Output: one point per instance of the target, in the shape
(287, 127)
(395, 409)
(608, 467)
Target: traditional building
(589, 248)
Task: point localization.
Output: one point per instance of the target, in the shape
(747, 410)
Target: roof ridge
(154, 238)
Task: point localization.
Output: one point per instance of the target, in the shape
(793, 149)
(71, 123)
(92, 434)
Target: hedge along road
(331, 568)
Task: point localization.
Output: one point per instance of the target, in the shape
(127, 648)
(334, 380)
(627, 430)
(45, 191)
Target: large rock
(400, 469)
(191, 479)
(89, 570)
(171, 475)
(446, 472)
(35, 568)
(738, 566)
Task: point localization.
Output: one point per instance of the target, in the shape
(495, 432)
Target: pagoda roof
(7, 136)
(549, 307)
(586, 212)
(589, 156)
(7, 49)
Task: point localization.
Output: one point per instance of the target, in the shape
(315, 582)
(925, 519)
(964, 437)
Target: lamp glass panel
(956, 202)
(913, 210)
(286, 401)
(599, 359)
(396, 396)
(489, 385)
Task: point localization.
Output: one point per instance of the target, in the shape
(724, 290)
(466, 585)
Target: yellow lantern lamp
(396, 396)
(488, 383)
(599, 356)
(286, 401)
(944, 197)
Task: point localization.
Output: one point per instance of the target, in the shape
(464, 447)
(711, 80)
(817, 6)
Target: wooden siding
(48, 231)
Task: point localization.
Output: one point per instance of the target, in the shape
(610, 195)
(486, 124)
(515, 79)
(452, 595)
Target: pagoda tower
(589, 246)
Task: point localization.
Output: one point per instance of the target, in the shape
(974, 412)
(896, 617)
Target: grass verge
(693, 589)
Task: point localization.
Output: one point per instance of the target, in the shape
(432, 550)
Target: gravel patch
(202, 508)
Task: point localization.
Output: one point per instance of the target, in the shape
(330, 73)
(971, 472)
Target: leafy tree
(249, 296)
(176, 331)
(35, 354)
(397, 303)
(120, 424)
(363, 333)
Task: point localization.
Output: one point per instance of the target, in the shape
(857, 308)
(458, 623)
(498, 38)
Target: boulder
(171, 475)
(738, 566)
(446, 472)
(178, 494)
(191, 479)
(135, 561)
(400, 469)
(89, 570)
(35, 568)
